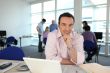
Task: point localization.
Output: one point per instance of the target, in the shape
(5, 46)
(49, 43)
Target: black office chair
(12, 53)
(2, 44)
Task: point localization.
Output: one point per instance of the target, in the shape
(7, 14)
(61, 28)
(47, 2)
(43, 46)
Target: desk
(65, 68)
(93, 67)
(24, 37)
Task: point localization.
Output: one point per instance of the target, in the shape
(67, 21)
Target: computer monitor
(98, 35)
(2, 33)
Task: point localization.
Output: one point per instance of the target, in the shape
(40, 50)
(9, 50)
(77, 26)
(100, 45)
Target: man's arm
(76, 52)
(80, 50)
(67, 62)
(37, 28)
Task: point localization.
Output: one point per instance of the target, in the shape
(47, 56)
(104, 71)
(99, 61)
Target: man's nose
(67, 28)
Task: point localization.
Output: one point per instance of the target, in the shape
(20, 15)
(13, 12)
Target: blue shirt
(53, 27)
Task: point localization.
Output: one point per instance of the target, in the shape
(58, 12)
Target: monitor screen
(98, 35)
(2, 33)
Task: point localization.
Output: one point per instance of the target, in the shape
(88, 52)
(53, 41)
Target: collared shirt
(56, 48)
(40, 28)
(88, 35)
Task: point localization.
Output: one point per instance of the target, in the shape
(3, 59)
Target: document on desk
(14, 63)
(95, 68)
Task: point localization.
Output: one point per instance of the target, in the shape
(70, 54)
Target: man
(40, 34)
(53, 26)
(64, 44)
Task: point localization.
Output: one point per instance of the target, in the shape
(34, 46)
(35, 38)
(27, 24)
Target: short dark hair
(87, 28)
(43, 20)
(66, 14)
(85, 22)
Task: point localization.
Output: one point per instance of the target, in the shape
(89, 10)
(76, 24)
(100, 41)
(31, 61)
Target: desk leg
(20, 41)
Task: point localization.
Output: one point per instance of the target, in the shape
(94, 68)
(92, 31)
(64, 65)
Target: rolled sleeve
(80, 51)
(80, 57)
(51, 50)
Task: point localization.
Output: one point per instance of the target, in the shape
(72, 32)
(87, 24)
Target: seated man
(90, 43)
(64, 44)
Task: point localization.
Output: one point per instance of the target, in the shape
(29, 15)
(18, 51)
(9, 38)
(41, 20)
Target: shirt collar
(58, 33)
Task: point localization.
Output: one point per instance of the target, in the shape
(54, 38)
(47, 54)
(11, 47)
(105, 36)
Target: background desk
(25, 36)
(65, 68)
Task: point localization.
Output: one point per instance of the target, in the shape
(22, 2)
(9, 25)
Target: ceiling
(36, 1)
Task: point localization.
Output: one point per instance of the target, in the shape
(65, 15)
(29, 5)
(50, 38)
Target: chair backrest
(11, 40)
(12, 53)
(89, 45)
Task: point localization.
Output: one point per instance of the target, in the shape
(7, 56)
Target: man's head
(84, 23)
(43, 20)
(66, 22)
(53, 21)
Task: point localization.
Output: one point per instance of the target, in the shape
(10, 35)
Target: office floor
(32, 51)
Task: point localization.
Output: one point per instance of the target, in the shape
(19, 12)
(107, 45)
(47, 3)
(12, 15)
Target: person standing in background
(40, 34)
(45, 34)
(53, 26)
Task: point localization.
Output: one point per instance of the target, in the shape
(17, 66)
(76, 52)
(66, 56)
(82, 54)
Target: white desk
(93, 67)
(65, 68)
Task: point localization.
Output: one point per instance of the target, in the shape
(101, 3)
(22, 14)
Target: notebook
(42, 65)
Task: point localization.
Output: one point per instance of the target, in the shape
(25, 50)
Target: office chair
(11, 40)
(91, 49)
(2, 44)
(12, 53)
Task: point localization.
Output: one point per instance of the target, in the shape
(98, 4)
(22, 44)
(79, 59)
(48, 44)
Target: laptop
(42, 65)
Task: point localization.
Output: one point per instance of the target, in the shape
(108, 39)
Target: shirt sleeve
(80, 51)
(51, 50)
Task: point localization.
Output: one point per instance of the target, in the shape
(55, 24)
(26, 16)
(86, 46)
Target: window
(65, 4)
(49, 5)
(49, 16)
(94, 11)
(36, 15)
(36, 8)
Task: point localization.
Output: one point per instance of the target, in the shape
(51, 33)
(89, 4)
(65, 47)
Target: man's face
(66, 25)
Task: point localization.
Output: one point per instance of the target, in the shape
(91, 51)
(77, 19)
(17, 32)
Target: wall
(15, 18)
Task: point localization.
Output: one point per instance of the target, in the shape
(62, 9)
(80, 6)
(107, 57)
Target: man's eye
(63, 25)
(71, 25)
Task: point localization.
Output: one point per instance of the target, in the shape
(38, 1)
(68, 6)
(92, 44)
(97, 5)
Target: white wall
(15, 18)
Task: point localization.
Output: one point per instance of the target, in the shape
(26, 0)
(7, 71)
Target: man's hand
(72, 51)
(68, 40)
